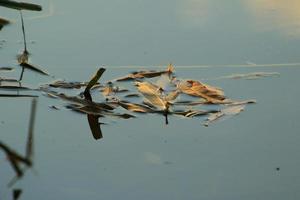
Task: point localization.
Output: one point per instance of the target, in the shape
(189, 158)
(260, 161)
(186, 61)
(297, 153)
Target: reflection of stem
(23, 30)
(166, 116)
(23, 68)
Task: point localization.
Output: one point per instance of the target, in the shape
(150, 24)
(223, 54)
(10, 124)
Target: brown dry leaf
(209, 93)
(147, 74)
(152, 93)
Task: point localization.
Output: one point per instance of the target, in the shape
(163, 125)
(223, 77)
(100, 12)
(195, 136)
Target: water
(253, 155)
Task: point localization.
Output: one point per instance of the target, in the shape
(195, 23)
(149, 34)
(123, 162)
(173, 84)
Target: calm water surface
(142, 158)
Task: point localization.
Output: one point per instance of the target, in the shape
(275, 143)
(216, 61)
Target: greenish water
(142, 158)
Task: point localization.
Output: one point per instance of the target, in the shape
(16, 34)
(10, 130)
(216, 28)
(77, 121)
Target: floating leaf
(146, 74)
(198, 89)
(20, 5)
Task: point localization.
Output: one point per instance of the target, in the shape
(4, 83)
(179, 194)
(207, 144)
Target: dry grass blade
(67, 85)
(34, 68)
(17, 95)
(20, 5)
(194, 113)
(6, 68)
(14, 87)
(135, 107)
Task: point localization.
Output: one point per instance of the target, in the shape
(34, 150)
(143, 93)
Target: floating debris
(3, 22)
(14, 87)
(67, 85)
(20, 5)
(34, 68)
(111, 90)
(6, 68)
(17, 95)
(209, 93)
(131, 95)
(229, 111)
(154, 95)
(146, 74)
(54, 107)
(195, 113)
(251, 76)
(134, 107)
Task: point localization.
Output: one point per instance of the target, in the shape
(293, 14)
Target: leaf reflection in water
(16, 160)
